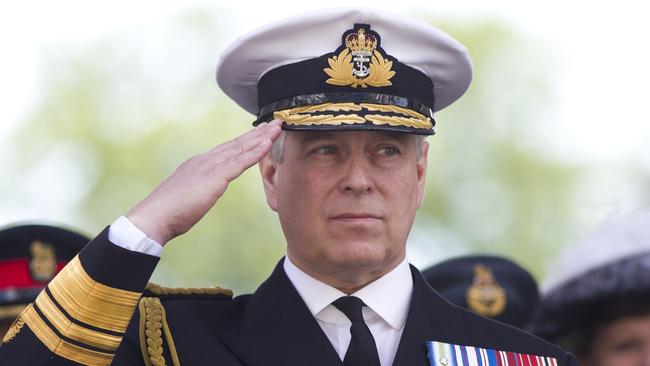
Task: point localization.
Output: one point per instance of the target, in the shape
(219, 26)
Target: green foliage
(487, 185)
(133, 107)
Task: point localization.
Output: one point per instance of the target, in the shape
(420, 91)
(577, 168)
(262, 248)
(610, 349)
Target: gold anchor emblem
(359, 63)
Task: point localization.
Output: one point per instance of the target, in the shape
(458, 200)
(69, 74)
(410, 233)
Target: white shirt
(123, 233)
(388, 298)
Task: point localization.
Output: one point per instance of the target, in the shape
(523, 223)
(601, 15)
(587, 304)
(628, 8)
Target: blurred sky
(600, 51)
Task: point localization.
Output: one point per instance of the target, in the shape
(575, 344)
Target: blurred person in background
(30, 256)
(596, 302)
(491, 286)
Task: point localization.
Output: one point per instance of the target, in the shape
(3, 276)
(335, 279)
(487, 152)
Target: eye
(325, 150)
(389, 151)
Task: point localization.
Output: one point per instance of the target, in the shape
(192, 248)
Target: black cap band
(266, 112)
(358, 72)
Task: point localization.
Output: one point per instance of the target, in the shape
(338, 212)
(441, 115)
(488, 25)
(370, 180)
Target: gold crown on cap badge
(360, 44)
(360, 63)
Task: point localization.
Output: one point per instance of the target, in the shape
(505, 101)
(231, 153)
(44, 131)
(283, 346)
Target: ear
(421, 168)
(268, 170)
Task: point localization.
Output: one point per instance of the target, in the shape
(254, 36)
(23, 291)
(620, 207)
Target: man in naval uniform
(343, 100)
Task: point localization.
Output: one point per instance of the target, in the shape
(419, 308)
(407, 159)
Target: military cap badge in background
(346, 69)
(490, 286)
(30, 256)
(603, 277)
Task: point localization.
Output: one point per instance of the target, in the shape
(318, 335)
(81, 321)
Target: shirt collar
(389, 296)
(316, 294)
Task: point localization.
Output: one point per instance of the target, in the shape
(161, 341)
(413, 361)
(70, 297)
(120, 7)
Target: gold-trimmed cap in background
(30, 256)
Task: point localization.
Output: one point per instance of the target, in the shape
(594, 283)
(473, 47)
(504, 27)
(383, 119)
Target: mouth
(356, 217)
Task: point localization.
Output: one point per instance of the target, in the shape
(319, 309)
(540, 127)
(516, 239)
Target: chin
(360, 255)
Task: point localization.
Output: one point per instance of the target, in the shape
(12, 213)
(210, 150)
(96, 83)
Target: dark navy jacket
(271, 327)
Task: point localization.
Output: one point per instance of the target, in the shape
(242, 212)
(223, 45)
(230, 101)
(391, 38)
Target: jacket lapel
(430, 318)
(280, 328)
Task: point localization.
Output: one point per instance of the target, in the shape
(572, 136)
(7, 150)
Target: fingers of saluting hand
(247, 141)
(230, 159)
(185, 197)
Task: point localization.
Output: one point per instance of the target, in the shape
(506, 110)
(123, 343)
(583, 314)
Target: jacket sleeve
(81, 316)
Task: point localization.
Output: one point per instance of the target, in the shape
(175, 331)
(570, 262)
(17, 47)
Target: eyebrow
(399, 136)
(309, 137)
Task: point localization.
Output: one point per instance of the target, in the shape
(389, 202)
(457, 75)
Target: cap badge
(43, 264)
(485, 297)
(360, 62)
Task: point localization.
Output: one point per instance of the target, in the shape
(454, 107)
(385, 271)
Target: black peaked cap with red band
(30, 256)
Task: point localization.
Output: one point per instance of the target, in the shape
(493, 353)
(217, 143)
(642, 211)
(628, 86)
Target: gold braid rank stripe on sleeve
(91, 302)
(79, 318)
(74, 331)
(61, 347)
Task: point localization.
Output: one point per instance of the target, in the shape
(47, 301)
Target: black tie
(362, 350)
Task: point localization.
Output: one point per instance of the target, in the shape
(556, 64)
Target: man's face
(346, 200)
(622, 342)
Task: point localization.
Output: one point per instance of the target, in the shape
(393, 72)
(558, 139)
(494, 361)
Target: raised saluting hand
(182, 199)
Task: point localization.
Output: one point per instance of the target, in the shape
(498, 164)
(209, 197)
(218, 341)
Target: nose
(356, 178)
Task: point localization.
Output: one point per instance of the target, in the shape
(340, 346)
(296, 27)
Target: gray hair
(277, 150)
